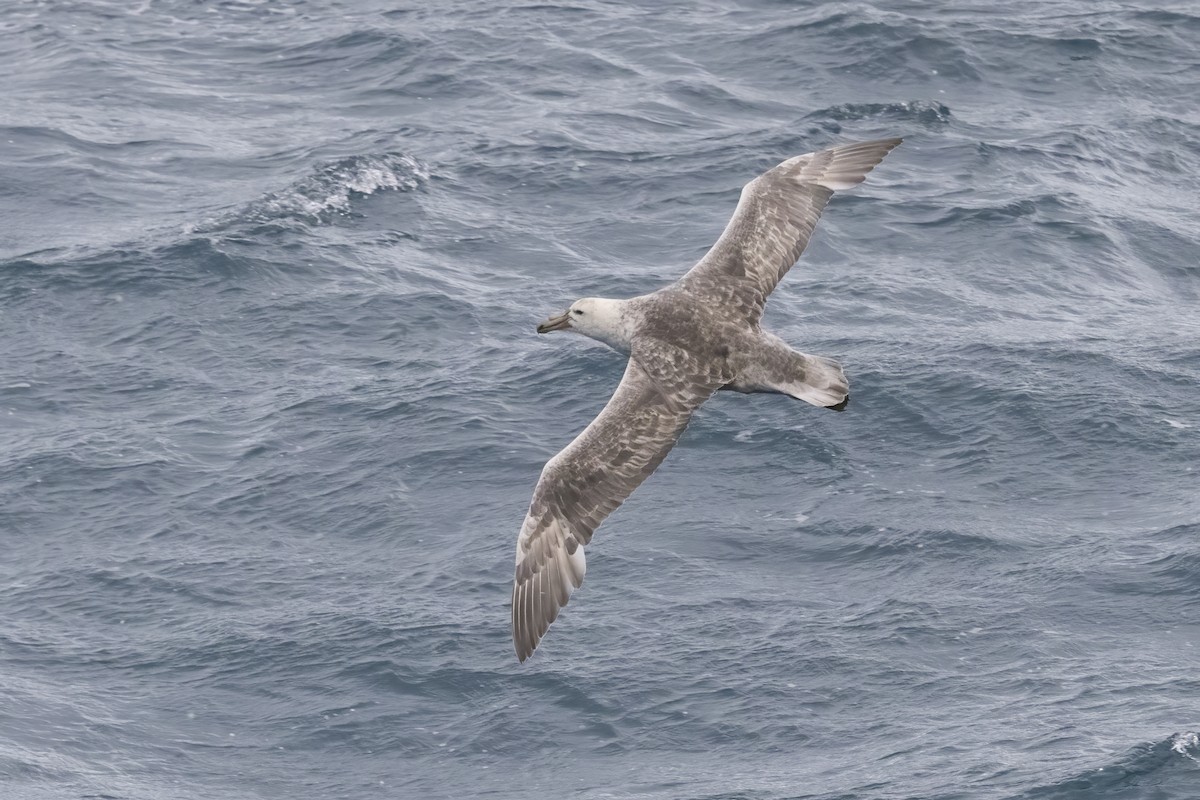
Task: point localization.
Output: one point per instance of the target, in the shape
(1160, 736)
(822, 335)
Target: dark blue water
(272, 405)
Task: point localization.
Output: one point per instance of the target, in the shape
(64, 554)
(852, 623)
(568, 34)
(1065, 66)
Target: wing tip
(849, 164)
(544, 579)
(530, 623)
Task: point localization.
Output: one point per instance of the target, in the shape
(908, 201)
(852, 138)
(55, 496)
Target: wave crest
(332, 187)
(328, 192)
(1154, 769)
(926, 112)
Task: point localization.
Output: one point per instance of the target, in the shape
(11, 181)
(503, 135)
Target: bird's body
(684, 342)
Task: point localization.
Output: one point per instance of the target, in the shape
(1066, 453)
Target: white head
(595, 317)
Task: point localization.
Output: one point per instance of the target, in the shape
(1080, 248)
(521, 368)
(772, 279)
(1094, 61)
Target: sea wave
(1168, 768)
(329, 191)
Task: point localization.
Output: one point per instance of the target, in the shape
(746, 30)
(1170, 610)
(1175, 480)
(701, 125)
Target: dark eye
(577, 312)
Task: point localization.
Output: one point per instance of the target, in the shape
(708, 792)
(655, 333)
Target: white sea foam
(330, 190)
(1186, 743)
(333, 186)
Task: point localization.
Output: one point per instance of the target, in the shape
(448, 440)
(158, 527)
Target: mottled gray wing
(773, 221)
(593, 475)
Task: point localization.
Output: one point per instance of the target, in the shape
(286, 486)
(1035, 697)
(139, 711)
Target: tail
(781, 370)
(824, 383)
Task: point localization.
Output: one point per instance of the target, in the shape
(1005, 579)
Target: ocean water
(272, 405)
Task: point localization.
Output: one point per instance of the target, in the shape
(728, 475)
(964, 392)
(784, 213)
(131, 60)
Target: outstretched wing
(593, 475)
(773, 221)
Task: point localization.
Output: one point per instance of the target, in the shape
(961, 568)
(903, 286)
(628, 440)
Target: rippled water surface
(272, 405)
